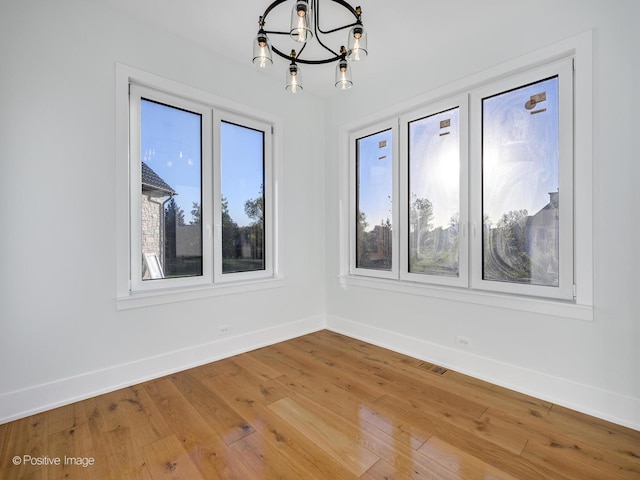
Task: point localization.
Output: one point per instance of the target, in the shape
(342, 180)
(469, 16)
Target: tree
(254, 209)
(229, 232)
(421, 215)
(513, 226)
(505, 254)
(196, 214)
(173, 214)
(254, 233)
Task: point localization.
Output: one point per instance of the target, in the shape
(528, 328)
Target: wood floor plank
(571, 461)
(600, 433)
(66, 417)
(182, 418)
(217, 461)
(338, 444)
(396, 448)
(257, 367)
(167, 458)
(118, 456)
(327, 373)
(132, 407)
(318, 407)
(279, 434)
(268, 390)
(497, 395)
(399, 415)
(274, 358)
(27, 436)
(434, 396)
(570, 444)
(221, 418)
(264, 460)
(461, 463)
(74, 446)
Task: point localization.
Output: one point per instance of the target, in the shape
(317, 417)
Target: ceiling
(229, 28)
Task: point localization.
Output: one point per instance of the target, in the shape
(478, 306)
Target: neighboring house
(541, 243)
(154, 196)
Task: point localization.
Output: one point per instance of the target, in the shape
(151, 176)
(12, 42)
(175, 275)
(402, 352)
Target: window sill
(161, 297)
(526, 304)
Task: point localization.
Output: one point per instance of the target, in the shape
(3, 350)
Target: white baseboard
(599, 403)
(22, 403)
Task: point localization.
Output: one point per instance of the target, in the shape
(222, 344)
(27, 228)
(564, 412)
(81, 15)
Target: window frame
(456, 101)
(578, 49)
(137, 93)
(267, 174)
(565, 289)
(354, 136)
(128, 293)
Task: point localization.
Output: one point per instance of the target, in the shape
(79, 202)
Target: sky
(520, 149)
(375, 177)
(520, 158)
(171, 147)
(434, 164)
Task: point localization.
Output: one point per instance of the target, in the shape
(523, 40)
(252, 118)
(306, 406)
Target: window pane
(520, 185)
(171, 192)
(242, 198)
(434, 194)
(374, 158)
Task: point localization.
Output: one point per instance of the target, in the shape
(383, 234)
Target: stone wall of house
(152, 216)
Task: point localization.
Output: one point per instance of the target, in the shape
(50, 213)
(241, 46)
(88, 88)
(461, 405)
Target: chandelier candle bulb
(343, 75)
(357, 45)
(262, 51)
(301, 23)
(294, 82)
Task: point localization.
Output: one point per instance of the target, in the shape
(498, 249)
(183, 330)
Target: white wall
(593, 366)
(60, 334)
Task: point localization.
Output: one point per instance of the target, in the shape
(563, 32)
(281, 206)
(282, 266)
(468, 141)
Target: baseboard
(599, 403)
(23, 403)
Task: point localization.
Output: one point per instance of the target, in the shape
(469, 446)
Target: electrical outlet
(222, 329)
(463, 341)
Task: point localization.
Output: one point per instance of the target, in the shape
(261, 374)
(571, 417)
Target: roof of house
(151, 181)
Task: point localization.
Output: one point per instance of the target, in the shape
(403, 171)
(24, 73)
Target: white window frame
(579, 50)
(460, 102)
(564, 71)
(353, 139)
(137, 93)
(132, 293)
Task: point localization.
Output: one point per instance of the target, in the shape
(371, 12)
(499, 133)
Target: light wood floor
(322, 406)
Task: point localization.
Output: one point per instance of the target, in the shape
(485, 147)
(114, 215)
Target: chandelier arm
(345, 5)
(306, 62)
(326, 48)
(316, 26)
(273, 32)
(271, 7)
(301, 49)
(338, 28)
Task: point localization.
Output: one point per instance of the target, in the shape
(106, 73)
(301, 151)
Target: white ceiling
(229, 28)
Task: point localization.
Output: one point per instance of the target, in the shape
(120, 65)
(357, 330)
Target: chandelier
(305, 25)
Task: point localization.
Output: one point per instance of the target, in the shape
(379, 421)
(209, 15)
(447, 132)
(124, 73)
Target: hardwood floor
(322, 406)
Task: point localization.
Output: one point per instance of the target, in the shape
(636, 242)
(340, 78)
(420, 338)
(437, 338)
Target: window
(433, 192)
(483, 185)
(245, 210)
(523, 183)
(374, 247)
(200, 203)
